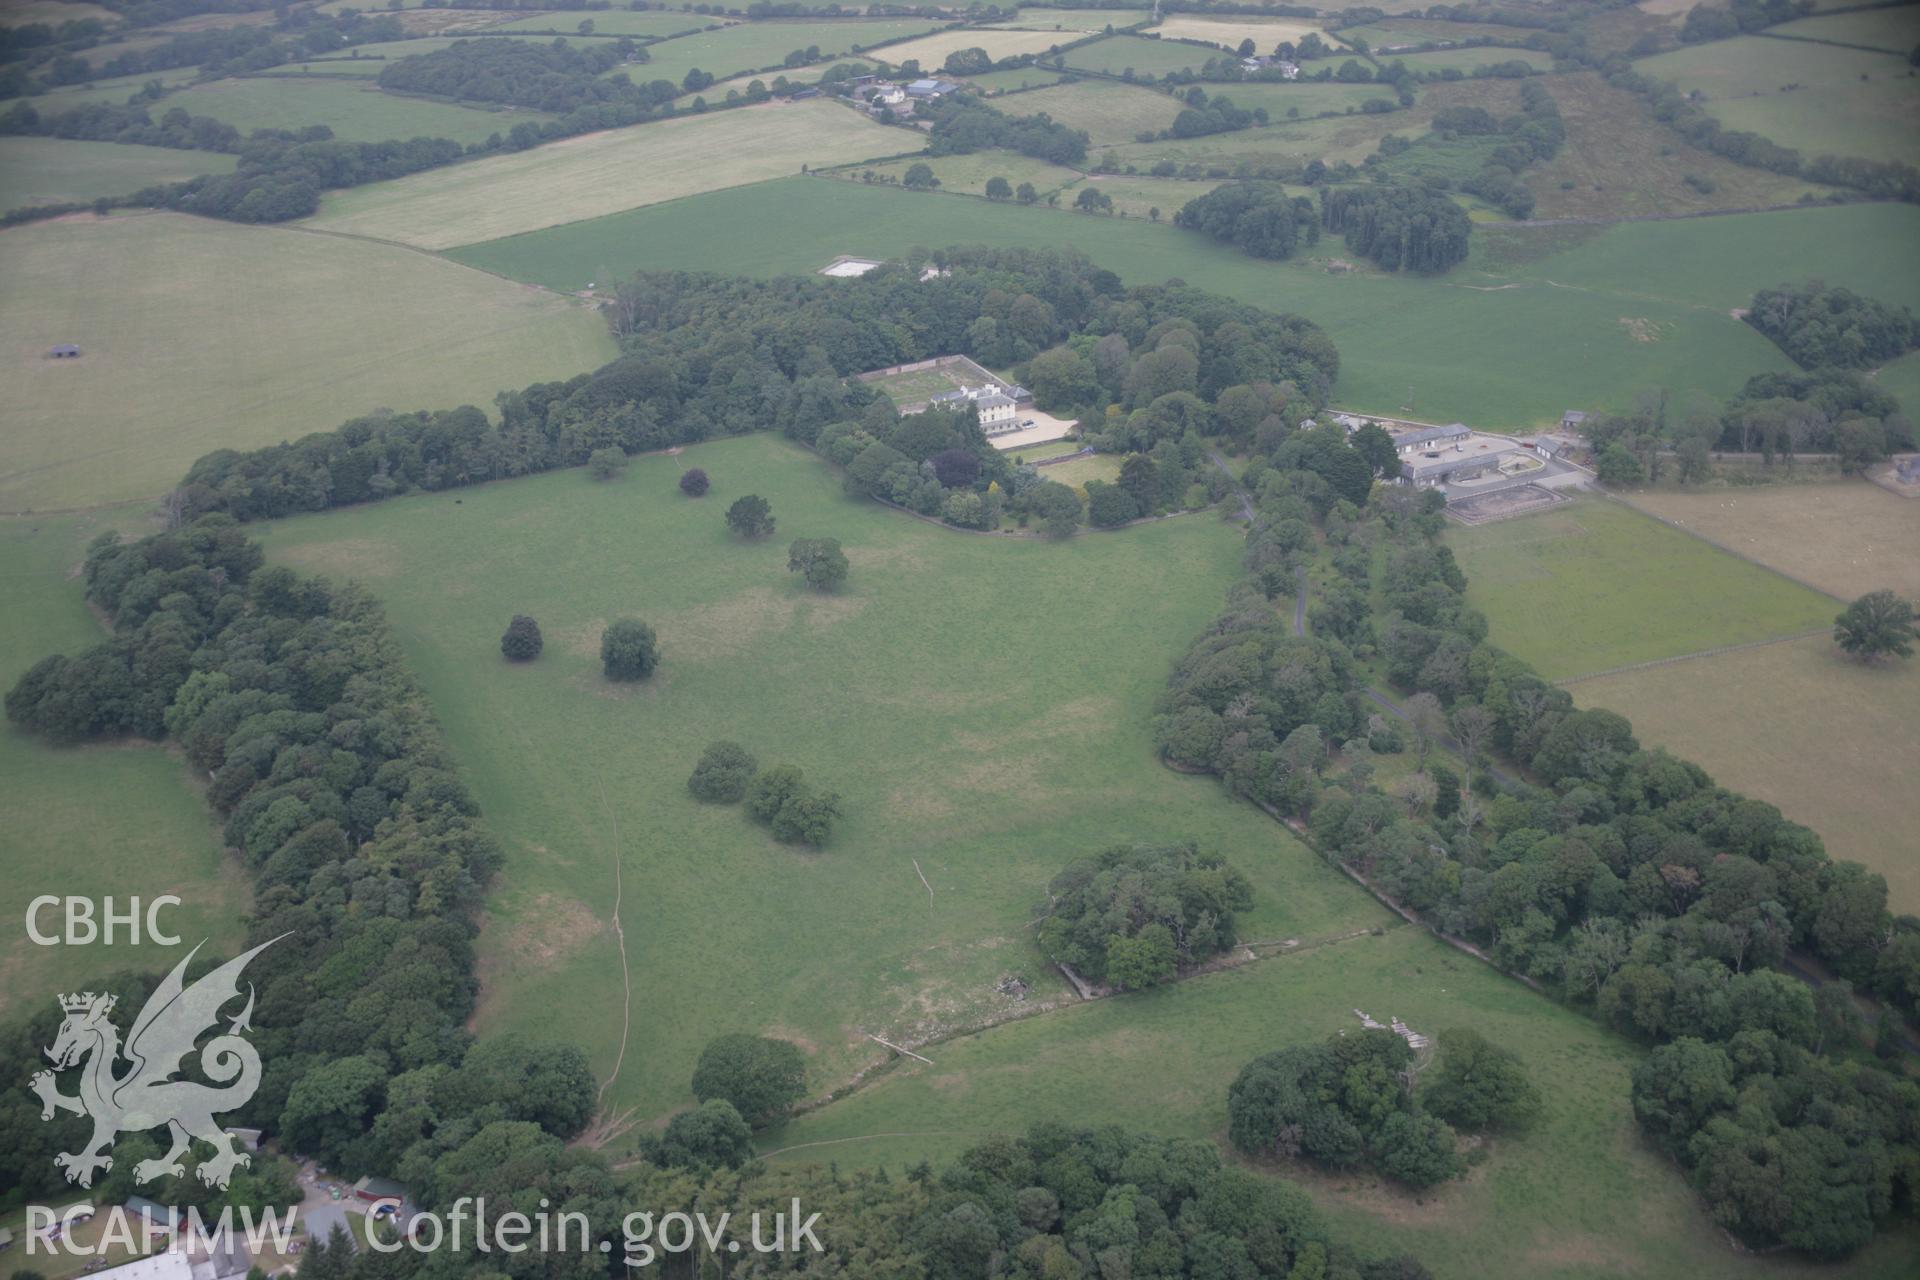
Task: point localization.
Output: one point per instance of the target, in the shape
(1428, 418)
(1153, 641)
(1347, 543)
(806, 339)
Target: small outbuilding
(65, 351)
(1572, 420)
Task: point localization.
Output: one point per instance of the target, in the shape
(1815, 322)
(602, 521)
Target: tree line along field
(132, 806)
(1580, 1194)
(599, 173)
(1595, 585)
(931, 51)
(1084, 21)
(1890, 30)
(1558, 322)
(753, 45)
(198, 335)
(354, 111)
(969, 173)
(981, 704)
(1816, 98)
(58, 171)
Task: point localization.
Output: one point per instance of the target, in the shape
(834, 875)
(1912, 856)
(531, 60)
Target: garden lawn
(1596, 585)
(59, 170)
(120, 819)
(199, 335)
(982, 705)
(599, 173)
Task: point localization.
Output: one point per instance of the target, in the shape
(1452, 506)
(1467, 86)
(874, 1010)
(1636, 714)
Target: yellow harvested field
(602, 173)
(1228, 31)
(931, 51)
(1845, 538)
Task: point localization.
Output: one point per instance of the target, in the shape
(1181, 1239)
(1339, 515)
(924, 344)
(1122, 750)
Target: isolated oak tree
(751, 516)
(629, 650)
(694, 483)
(1877, 625)
(820, 560)
(522, 642)
(723, 774)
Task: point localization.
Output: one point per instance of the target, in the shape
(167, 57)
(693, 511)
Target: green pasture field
(120, 819)
(1596, 585)
(1902, 378)
(725, 90)
(1561, 335)
(1469, 59)
(1108, 112)
(1845, 538)
(198, 335)
(599, 173)
(1618, 161)
(1101, 466)
(370, 59)
(1146, 58)
(1226, 31)
(998, 83)
(1801, 726)
(1895, 30)
(358, 113)
(618, 22)
(968, 174)
(1308, 97)
(1083, 21)
(751, 46)
(20, 13)
(981, 704)
(1579, 1195)
(931, 51)
(58, 170)
(1136, 197)
(1818, 99)
(113, 92)
(1418, 31)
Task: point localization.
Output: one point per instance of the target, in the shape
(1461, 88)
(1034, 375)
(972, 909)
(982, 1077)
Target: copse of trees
(557, 77)
(1399, 228)
(1257, 218)
(1830, 327)
(782, 798)
(962, 124)
(758, 1076)
(1133, 916)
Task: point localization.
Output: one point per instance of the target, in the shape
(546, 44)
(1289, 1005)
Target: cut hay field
(57, 170)
(600, 173)
(1580, 1195)
(931, 51)
(981, 704)
(1621, 162)
(1554, 313)
(1108, 112)
(1891, 30)
(751, 46)
(1146, 58)
(1827, 740)
(200, 335)
(355, 112)
(1845, 538)
(119, 819)
(1595, 585)
(1226, 31)
(1816, 98)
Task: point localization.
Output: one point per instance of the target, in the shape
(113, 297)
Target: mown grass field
(1108, 112)
(1893, 30)
(116, 819)
(600, 173)
(1619, 162)
(1310, 98)
(1118, 54)
(1816, 98)
(751, 46)
(1799, 725)
(1595, 585)
(931, 51)
(200, 335)
(1846, 538)
(56, 170)
(1580, 1195)
(354, 111)
(981, 704)
(1411, 345)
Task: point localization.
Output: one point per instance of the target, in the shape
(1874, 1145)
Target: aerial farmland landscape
(1177, 639)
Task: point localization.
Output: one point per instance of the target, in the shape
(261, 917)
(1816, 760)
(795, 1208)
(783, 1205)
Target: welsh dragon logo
(145, 1095)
